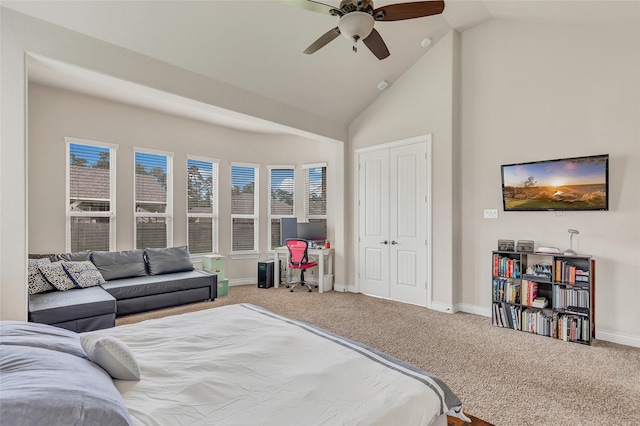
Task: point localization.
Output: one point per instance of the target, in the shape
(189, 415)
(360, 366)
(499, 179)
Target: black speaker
(265, 274)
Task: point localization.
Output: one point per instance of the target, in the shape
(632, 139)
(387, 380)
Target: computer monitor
(288, 229)
(312, 231)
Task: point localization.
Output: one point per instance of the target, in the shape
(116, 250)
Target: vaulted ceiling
(258, 45)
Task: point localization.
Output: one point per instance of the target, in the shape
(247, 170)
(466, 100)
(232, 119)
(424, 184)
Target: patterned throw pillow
(57, 276)
(37, 282)
(83, 274)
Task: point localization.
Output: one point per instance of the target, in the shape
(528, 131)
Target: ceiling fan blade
(311, 5)
(322, 41)
(400, 11)
(376, 45)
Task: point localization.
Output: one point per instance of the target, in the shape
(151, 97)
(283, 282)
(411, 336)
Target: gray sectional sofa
(134, 281)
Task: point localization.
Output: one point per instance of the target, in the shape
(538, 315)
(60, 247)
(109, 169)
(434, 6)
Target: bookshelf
(543, 293)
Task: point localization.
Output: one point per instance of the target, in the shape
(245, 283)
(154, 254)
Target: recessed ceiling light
(425, 42)
(382, 85)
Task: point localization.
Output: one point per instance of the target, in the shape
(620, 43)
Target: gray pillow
(78, 256)
(45, 387)
(167, 260)
(21, 333)
(114, 265)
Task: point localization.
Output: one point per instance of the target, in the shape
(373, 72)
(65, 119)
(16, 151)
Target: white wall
(538, 92)
(22, 35)
(420, 102)
(508, 92)
(55, 114)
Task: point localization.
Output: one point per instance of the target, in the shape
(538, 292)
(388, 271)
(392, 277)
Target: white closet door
(408, 224)
(373, 232)
(392, 233)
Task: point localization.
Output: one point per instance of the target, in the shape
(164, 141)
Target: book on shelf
(529, 292)
(505, 267)
(539, 302)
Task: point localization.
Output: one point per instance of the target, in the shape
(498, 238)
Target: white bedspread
(243, 365)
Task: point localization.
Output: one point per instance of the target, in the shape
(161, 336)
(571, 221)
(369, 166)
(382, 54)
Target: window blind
(202, 210)
(152, 200)
(90, 197)
(281, 200)
(315, 207)
(244, 208)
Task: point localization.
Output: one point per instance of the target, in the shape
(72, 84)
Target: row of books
(565, 297)
(529, 292)
(505, 315)
(506, 291)
(567, 273)
(505, 267)
(543, 322)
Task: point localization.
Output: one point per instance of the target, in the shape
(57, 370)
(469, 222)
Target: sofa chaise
(128, 282)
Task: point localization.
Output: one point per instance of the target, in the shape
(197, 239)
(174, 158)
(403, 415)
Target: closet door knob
(384, 242)
(394, 242)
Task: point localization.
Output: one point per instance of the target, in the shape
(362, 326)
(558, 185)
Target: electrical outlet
(490, 213)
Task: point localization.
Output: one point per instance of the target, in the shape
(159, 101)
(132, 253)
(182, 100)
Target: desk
(320, 253)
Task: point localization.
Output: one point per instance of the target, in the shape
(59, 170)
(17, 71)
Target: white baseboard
(243, 281)
(442, 307)
(609, 336)
(473, 309)
(622, 339)
(342, 288)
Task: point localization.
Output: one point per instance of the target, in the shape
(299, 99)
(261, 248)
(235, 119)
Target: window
(153, 198)
(202, 204)
(315, 193)
(281, 200)
(91, 186)
(244, 207)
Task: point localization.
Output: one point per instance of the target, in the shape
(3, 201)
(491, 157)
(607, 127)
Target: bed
(244, 365)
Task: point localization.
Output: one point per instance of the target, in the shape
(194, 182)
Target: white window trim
(111, 214)
(278, 216)
(214, 215)
(168, 215)
(248, 254)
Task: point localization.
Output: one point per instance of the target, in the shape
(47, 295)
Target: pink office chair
(299, 259)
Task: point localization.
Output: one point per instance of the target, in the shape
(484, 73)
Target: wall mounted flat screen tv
(567, 184)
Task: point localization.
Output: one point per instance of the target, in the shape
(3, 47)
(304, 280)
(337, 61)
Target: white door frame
(429, 237)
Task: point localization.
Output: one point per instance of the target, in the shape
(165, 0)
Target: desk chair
(299, 259)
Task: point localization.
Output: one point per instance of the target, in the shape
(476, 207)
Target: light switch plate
(490, 213)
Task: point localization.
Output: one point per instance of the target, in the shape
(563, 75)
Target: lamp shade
(356, 25)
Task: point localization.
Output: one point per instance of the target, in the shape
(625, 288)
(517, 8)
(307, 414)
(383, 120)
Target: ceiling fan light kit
(356, 25)
(357, 19)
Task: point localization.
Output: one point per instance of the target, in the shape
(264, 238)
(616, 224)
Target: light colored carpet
(505, 377)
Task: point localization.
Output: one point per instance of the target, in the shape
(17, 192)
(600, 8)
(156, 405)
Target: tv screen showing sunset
(567, 184)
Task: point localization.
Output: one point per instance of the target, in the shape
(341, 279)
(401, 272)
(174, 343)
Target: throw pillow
(112, 354)
(77, 256)
(84, 274)
(168, 260)
(37, 282)
(57, 276)
(114, 265)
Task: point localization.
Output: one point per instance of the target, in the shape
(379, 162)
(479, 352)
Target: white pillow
(112, 354)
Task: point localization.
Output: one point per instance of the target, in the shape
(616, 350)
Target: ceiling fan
(357, 18)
